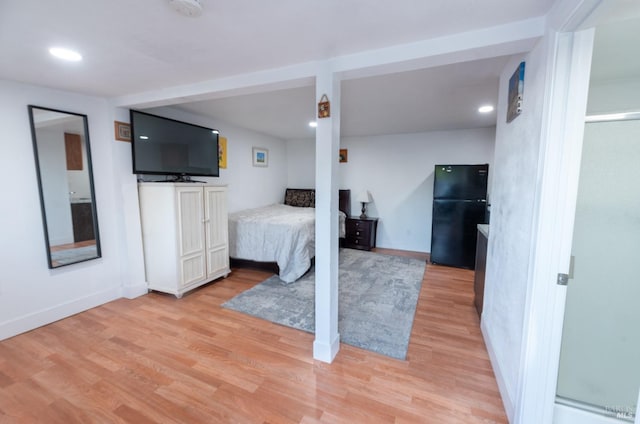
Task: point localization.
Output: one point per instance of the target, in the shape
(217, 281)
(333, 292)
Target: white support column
(327, 342)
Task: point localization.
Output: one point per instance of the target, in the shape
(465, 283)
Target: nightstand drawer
(358, 229)
(361, 233)
(359, 241)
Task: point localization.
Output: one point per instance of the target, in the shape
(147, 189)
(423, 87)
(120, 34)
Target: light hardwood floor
(67, 246)
(158, 359)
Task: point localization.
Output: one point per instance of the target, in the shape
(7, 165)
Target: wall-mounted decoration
(73, 151)
(260, 156)
(222, 152)
(516, 88)
(324, 107)
(123, 131)
(62, 155)
(343, 155)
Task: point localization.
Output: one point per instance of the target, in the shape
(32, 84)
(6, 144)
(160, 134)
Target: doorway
(599, 370)
(599, 367)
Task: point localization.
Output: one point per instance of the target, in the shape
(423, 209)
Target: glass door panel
(600, 359)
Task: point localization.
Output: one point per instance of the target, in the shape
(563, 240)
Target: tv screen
(164, 146)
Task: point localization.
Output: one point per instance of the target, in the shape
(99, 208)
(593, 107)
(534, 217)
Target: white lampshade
(364, 197)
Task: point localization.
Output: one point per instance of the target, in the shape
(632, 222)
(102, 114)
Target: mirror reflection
(63, 162)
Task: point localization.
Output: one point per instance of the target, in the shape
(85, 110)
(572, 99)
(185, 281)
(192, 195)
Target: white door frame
(555, 205)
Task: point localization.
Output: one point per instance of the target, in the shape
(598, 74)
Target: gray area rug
(377, 301)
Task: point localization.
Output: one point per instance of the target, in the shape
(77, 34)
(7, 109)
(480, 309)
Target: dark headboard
(300, 197)
(306, 198)
(344, 201)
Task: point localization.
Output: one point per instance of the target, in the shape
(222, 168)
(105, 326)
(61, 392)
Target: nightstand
(361, 233)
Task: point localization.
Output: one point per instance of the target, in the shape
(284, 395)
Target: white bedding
(276, 233)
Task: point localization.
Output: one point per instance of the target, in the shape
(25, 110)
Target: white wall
(249, 186)
(398, 172)
(54, 175)
(301, 163)
(30, 293)
(512, 212)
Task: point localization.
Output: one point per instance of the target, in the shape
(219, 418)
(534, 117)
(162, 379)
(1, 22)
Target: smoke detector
(187, 7)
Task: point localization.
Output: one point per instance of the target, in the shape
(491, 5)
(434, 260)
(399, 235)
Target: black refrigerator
(459, 205)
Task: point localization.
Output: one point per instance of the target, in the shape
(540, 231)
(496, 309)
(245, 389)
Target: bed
(280, 237)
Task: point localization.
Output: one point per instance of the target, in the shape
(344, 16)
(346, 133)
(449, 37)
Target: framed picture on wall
(122, 130)
(344, 155)
(516, 89)
(260, 156)
(222, 152)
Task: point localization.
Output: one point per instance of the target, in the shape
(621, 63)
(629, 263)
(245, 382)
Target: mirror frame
(94, 213)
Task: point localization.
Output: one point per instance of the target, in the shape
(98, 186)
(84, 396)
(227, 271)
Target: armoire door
(191, 236)
(216, 230)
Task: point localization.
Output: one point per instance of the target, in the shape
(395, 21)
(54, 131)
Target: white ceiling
(440, 98)
(134, 46)
(143, 45)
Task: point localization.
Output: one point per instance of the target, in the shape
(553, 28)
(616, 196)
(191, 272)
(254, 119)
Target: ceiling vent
(187, 7)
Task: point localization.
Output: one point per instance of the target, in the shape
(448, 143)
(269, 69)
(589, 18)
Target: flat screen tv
(163, 146)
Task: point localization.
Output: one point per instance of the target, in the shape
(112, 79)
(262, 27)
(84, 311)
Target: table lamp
(364, 197)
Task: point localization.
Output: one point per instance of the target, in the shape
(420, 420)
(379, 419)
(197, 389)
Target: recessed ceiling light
(313, 124)
(65, 54)
(485, 109)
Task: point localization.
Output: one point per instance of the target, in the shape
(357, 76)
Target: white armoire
(185, 234)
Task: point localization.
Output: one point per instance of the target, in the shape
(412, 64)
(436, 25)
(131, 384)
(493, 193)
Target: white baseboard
(507, 401)
(37, 319)
(326, 352)
(131, 292)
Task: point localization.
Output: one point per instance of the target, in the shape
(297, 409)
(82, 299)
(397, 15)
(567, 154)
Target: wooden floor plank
(161, 359)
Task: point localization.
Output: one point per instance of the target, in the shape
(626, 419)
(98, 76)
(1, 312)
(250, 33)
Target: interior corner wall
(301, 163)
(126, 191)
(515, 183)
(31, 294)
(398, 172)
(248, 186)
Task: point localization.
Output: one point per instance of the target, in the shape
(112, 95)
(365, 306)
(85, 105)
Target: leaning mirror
(63, 164)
